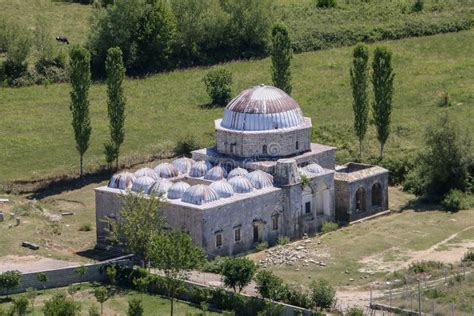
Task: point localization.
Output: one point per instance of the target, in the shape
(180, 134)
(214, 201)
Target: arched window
(360, 200)
(377, 194)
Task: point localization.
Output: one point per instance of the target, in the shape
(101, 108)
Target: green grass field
(36, 136)
(116, 305)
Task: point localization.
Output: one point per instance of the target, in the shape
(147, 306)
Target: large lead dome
(262, 108)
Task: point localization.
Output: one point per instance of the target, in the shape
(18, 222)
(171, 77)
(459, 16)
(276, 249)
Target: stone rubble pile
(294, 254)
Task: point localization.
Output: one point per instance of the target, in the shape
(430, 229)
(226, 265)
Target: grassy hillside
(36, 136)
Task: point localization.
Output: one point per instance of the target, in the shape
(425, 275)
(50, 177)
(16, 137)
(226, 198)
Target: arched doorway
(360, 200)
(377, 197)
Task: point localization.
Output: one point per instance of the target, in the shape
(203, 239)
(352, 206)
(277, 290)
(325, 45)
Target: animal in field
(62, 39)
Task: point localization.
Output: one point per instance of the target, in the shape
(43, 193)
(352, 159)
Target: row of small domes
(197, 194)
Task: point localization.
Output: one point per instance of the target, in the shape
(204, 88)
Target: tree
(281, 53)
(101, 294)
(137, 211)
(175, 255)
(116, 101)
(323, 293)
(20, 305)
(31, 295)
(269, 285)
(9, 280)
(60, 305)
(43, 278)
(238, 272)
(80, 77)
(111, 272)
(360, 98)
(446, 163)
(81, 271)
(218, 85)
(135, 307)
(382, 80)
(18, 44)
(156, 30)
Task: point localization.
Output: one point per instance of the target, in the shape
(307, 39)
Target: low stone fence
(67, 276)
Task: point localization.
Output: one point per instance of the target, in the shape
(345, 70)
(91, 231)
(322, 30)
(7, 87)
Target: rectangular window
(237, 235)
(256, 235)
(218, 240)
(275, 222)
(307, 207)
(232, 147)
(297, 146)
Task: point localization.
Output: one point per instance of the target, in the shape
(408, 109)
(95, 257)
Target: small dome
(260, 179)
(166, 170)
(177, 190)
(241, 184)
(146, 172)
(160, 187)
(262, 108)
(215, 173)
(314, 168)
(183, 164)
(223, 188)
(143, 184)
(237, 172)
(199, 169)
(122, 180)
(199, 194)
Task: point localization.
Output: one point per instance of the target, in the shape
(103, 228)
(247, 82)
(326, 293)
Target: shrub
(454, 201)
(298, 297)
(20, 305)
(322, 293)
(93, 311)
(398, 167)
(60, 305)
(468, 256)
(215, 265)
(186, 145)
(355, 311)
(218, 86)
(326, 4)
(87, 227)
(261, 246)
(418, 6)
(283, 240)
(238, 272)
(329, 227)
(269, 285)
(425, 266)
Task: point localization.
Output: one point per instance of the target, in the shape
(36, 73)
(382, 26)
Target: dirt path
(27, 264)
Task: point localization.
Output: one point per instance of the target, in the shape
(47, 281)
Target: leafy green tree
(218, 86)
(101, 294)
(360, 95)
(175, 255)
(281, 53)
(111, 272)
(116, 100)
(156, 30)
(9, 280)
(18, 46)
(20, 305)
(445, 164)
(80, 77)
(323, 293)
(382, 80)
(43, 278)
(60, 305)
(137, 211)
(135, 307)
(238, 272)
(31, 294)
(269, 285)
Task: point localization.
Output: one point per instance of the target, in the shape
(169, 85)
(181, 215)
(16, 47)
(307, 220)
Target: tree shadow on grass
(421, 205)
(4, 300)
(100, 254)
(210, 106)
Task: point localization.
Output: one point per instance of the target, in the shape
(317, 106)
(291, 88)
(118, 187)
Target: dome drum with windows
(263, 121)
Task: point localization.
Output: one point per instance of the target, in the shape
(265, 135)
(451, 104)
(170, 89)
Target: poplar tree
(359, 83)
(382, 80)
(115, 103)
(281, 58)
(80, 77)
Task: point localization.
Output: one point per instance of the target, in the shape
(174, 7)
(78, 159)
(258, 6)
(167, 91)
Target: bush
(322, 293)
(298, 297)
(214, 266)
(418, 6)
(269, 285)
(329, 227)
(186, 145)
(355, 311)
(87, 227)
(93, 311)
(398, 167)
(326, 4)
(20, 305)
(468, 256)
(455, 201)
(261, 246)
(218, 86)
(425, 266)
(60, 305)
(283, 240)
